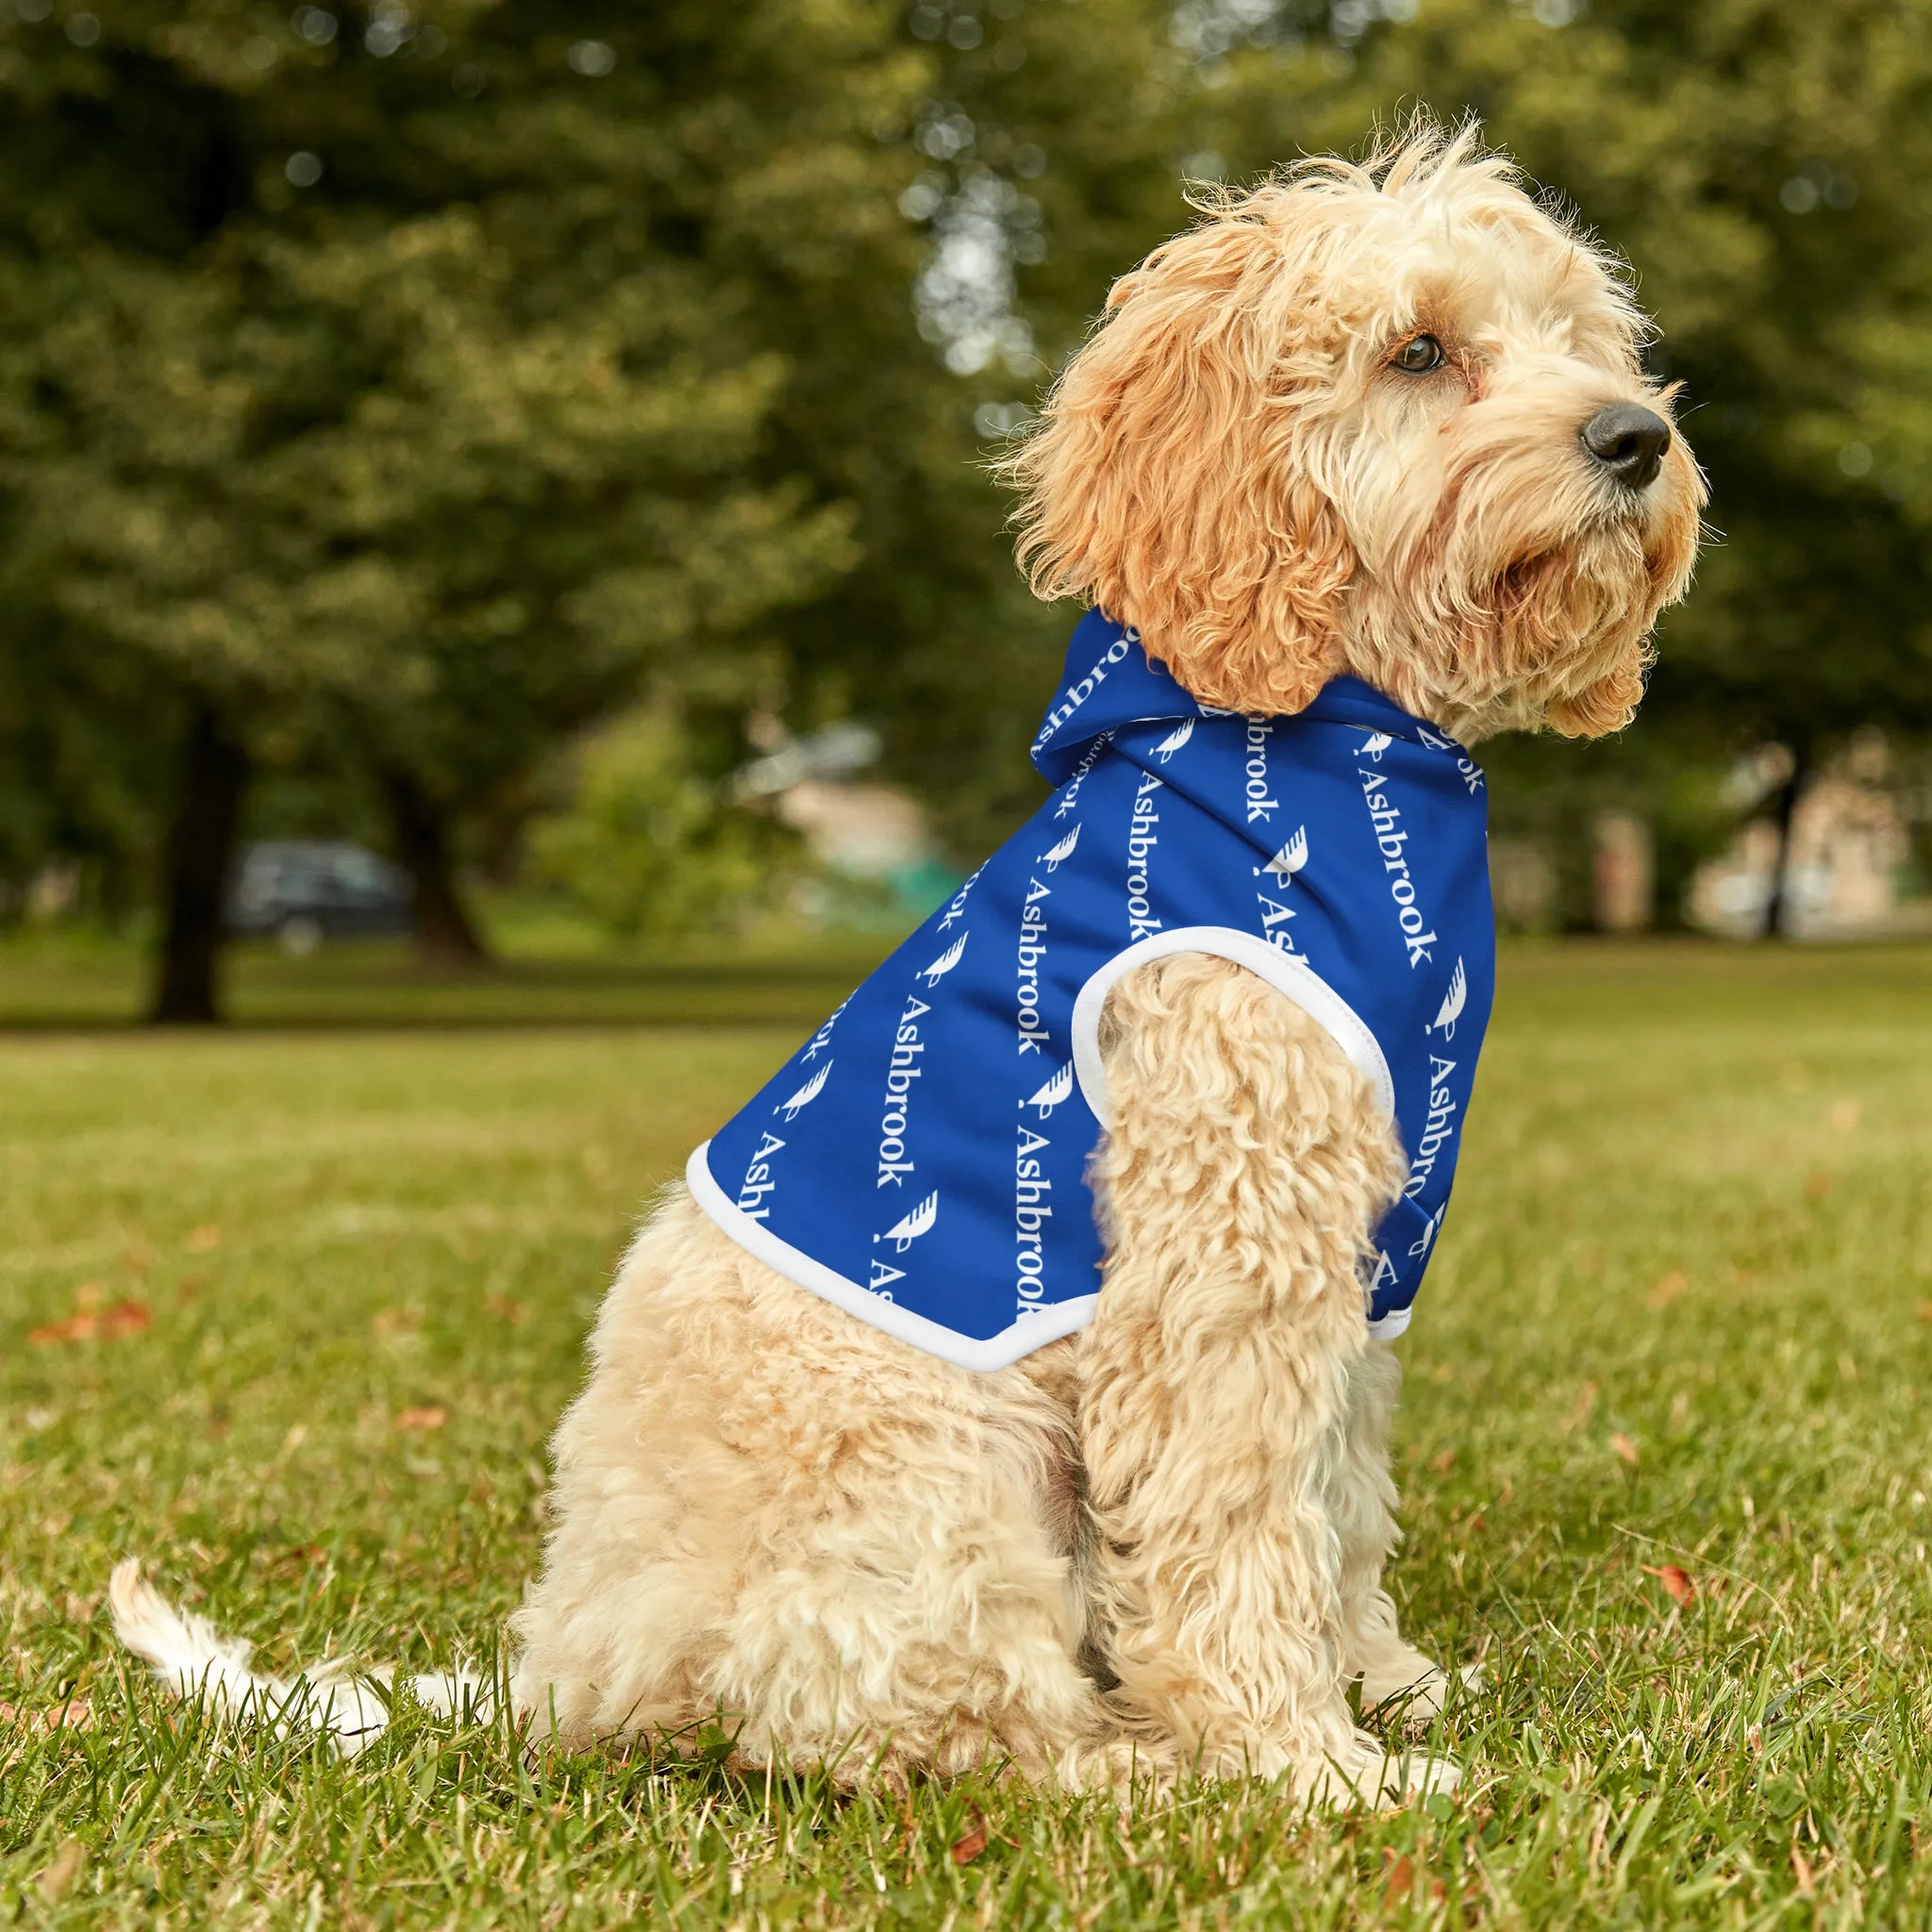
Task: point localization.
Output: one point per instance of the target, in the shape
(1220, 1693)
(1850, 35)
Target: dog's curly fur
(1158, 1545)
(1159, 1542)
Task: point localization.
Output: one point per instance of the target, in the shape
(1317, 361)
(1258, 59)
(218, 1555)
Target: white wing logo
(1051, 860)
(1417, 1249)
(1374, 745)
(806, 1095)
(1453, 1003)
(903, 1233)
(1292, 856)
(1174, 740)
(1055, 1091)
(945, 962)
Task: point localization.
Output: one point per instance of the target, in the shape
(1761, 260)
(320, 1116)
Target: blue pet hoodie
(921, 1160)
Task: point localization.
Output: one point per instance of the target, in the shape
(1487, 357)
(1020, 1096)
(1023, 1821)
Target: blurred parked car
(303, 890)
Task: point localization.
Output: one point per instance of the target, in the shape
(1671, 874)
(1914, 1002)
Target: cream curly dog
(1385, 419)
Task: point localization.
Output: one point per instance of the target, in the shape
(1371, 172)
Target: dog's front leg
(1246, 1167)
(1361, 1503)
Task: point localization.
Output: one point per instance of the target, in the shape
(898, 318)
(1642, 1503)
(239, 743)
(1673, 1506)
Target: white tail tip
(196, 1661)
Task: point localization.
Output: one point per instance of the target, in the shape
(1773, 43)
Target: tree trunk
(445, 935)
(199, 854)
(1777, 905)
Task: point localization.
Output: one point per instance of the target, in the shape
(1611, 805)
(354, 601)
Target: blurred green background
(544, 448)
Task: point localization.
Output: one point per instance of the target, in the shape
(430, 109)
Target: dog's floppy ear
(1168, 484)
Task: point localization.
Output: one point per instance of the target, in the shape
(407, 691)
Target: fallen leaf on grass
(109, 1325)
(1801, 1871)
(205, 1239)
(1669, 1289)
(1443, 1463)
(76, 1714)
(1925, 1311)
(1677, 1581)
(1579, 1412)
(430, 1416)
(505, 1307)
(75, 1329)
(968, 1848)
(1818, 1185)
(1398, 1884)
(56, 1880)
(1623, 1448)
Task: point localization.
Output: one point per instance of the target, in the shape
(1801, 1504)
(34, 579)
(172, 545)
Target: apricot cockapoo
(902, 1454)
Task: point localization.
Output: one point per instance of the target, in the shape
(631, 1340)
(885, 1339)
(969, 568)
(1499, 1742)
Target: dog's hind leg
(1244, 1169)
(1362, 1505)
(770, 1517)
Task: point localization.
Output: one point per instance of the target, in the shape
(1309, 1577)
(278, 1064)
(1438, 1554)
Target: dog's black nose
(1629, 441)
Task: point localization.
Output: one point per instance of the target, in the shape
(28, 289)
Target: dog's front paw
(1412, 1690)
(1368, 1773)
(1418, 1775)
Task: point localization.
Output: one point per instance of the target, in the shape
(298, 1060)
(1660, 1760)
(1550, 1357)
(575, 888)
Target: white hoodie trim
(1000, 1350)
(1285, 971)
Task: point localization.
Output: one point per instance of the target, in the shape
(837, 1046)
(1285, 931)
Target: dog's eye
(1418, 356)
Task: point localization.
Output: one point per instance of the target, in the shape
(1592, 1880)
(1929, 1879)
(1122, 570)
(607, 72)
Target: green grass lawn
(63, 980)
(1678, 1319)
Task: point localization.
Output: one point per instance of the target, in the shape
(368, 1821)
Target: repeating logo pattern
(1348, 837)
(1052, 859)
(1143, 835)
(1174, 741)
(908, 1227)
(1052, 1091)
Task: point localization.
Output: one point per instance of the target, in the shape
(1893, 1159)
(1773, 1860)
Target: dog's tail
(194, 1660)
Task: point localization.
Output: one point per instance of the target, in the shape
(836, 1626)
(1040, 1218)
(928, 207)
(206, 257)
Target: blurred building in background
(1848, 871)
(876, 859)
(1846, 863)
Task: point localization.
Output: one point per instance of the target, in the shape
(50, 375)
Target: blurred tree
(425, 384)
(1042, 159)
(368, 377)
(648, 845)
(434, 382)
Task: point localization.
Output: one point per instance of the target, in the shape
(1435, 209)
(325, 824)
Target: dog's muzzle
(1628, 442)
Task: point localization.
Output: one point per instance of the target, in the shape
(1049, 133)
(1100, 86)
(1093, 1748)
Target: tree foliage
(648, 845)
(402, 388)
(407, 391)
